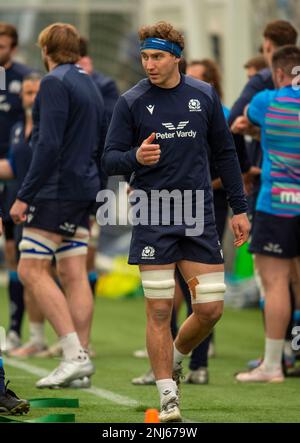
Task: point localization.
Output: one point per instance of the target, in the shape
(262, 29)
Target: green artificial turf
(118, 330)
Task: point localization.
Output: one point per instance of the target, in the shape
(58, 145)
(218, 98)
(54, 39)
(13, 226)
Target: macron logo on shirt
(150, 108)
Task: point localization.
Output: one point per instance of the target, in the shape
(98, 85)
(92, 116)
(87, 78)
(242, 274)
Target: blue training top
(277, 112)
(189, 124)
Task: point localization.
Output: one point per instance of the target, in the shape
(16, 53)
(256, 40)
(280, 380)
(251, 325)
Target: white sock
(36, 332)
(177, 356)
(166, 385)
(273, 354)
(72, 349)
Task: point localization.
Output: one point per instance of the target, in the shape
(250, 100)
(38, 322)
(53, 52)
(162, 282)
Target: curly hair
(162, 30)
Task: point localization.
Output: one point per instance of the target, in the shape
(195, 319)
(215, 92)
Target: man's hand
(18, 212)
(242, 125)
(239, 125)
(254, 132)
(217, 184)
(241, 228)
(148, 154)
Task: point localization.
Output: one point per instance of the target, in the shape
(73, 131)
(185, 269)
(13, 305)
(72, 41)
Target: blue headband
(163, 45)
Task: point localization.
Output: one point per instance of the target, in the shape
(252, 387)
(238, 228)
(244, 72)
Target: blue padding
(296, 315)
(13, 276)
(93, 276)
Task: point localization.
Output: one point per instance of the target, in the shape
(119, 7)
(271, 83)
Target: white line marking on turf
(103, 393)
(26, 367)
(111, 396)
(98, 392)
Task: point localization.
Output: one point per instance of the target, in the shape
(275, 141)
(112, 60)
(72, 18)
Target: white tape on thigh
(36, 246)
(207, 288)
(71, 246)
(158, 284)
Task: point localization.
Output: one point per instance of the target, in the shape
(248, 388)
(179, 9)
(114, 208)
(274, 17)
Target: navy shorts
(58, 216)
(153, 245)
(275, 236)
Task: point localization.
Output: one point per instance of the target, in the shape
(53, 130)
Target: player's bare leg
(37, 277)
(275, 274)
(159, 285)
(73, 277)
(205, 315)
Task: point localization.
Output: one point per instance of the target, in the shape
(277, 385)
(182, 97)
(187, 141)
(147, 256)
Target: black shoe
(10, 404)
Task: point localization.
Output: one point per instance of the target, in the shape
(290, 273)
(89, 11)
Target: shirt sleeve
(54, 106)
(257, 108)
(253, 86)
(119, 156)
(225, 158)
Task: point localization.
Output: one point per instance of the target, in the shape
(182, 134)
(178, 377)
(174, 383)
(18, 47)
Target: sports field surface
(118, 330)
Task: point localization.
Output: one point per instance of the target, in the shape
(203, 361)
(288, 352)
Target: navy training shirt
(67, 139)
(11, 110)
(190, 126)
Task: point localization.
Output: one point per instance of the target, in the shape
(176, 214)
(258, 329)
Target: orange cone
(151, 416)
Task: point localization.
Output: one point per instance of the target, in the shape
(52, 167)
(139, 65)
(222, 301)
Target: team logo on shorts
(148, 253)
(30, 218)
(194, 105)
(272, 247)
(30, 214)
(68, 227)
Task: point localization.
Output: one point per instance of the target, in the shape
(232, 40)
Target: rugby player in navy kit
(161, 132)
(56, 197)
